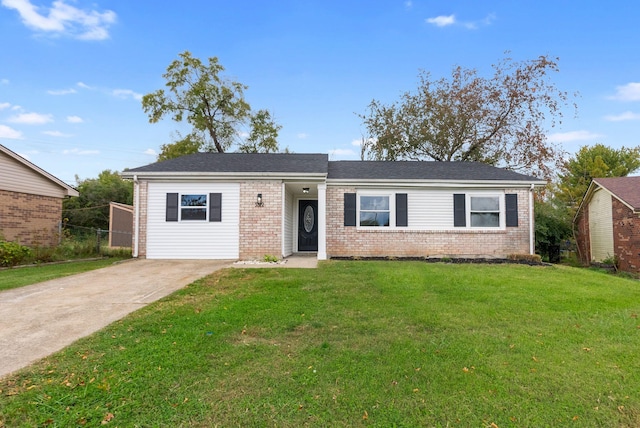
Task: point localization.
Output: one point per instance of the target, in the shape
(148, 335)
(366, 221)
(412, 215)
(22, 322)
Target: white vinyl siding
(193, 239)
(16, 177)
(601, 226)
(430, 209)
(289, 224)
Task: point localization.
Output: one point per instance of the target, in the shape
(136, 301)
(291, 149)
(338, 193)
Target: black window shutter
(215, 206)
(401, 210)
(172, 207)
(459, 210)
(511, 206)
(349, 209)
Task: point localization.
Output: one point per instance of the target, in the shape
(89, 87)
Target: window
(484, 211)
(193, 207)
(374, 211)
(371, 210)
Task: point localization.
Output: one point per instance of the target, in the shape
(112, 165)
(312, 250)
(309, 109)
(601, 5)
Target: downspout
(532, 247)
(137, 208)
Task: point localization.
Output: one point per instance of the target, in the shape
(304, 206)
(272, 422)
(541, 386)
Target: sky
(73, 72)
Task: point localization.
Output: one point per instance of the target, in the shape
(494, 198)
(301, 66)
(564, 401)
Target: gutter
(136, 232)
(532, 236)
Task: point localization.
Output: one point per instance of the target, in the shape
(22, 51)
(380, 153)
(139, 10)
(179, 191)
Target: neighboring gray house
(245, 206)
(30, 201)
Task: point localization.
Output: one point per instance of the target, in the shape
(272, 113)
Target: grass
(354, 344)
(19, 277)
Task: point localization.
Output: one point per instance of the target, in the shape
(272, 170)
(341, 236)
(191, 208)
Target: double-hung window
(193, 207)
(374, 211)
(484, 211)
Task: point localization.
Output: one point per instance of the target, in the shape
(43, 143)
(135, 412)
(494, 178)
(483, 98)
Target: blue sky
(73, 71)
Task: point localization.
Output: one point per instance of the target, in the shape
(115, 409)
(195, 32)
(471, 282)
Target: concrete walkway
(40, 319)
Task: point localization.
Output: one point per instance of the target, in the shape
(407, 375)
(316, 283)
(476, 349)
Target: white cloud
(31, 119)
(80, 152)
(4, 81)
(83, 85)
(302, 135)
(151, 152)
(442, 21)
(4, 105)
(342, 152)
(126, 93)
(56, 134)
(356, 143)
(10, 133)
(62, 18)
(74, 119)
(627, 115)
(628, 92)
(408, 4)
(61, 91)
(567, 137)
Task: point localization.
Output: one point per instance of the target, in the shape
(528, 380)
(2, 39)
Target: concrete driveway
(40, 319)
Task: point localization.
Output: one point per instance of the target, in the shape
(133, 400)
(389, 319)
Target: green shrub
(12, 253)
(270, 259)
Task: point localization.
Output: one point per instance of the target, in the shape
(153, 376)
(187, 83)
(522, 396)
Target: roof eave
(437, 183)
(156, 175)
(70, 191)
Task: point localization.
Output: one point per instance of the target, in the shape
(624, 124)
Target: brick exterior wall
(30, 219)
(626, 237)
(260, 227)
(350, 241)
(582, 236)
(143, 188)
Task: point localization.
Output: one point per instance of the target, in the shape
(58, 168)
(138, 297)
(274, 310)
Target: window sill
(432, 231)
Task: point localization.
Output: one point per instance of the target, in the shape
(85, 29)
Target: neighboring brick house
(607, 224)
(246, 206)
(30, 201)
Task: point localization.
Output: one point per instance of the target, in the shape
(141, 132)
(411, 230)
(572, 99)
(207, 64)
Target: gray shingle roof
(315, 163)
(424, 170)
(241, 162)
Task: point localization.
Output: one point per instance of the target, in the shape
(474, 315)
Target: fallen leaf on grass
(586, 349)
(365, 416)
(108, 417)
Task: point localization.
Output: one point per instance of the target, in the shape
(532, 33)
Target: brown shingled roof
(627, 189)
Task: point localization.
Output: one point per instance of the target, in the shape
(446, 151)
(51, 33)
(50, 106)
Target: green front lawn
(355, 344)
(18, 277)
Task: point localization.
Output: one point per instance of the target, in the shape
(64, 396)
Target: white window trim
(206, 208)
(501, 206)
(392, 209)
